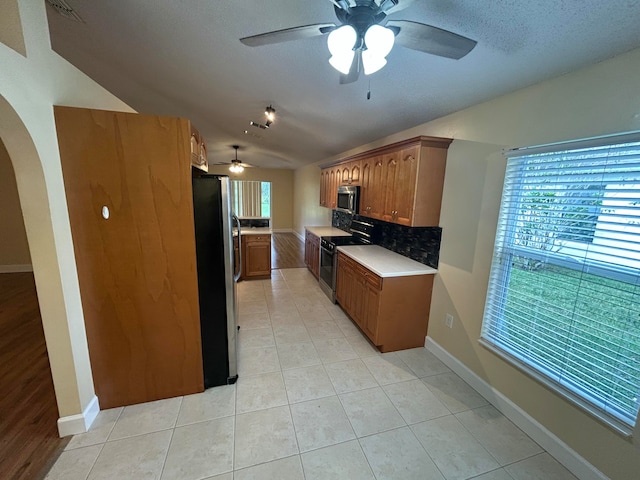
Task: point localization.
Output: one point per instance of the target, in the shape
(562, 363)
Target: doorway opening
(29, 439)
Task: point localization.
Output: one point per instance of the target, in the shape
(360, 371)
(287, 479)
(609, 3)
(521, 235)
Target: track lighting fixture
(270, 112)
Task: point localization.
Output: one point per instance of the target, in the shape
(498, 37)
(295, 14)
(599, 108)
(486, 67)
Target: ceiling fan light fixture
(343, 62)
(371, 62)
(235, 168)
(379, 40)
(341, 42)
(235, 163)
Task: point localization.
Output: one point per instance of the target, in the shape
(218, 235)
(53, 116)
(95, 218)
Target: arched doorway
(28, 424)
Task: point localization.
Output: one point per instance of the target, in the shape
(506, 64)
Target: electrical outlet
(448, 320)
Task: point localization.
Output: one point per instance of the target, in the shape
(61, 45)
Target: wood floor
(287, 251)
(28, 413)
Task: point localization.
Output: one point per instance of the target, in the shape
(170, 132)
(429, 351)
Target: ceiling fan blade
(342, 4)
(354, 71)
(295, 33)
(245, 165)
(433, 40)
(392, 6)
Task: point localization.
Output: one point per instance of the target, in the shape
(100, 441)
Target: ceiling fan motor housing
(365, 14)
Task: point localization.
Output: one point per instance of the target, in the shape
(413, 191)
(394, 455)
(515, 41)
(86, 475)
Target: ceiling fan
(236, 166)
(365, 37)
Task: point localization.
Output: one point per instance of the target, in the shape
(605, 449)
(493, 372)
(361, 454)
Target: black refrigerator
(215, 226)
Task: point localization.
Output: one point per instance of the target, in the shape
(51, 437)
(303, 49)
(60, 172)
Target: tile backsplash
(341, 220)
(421, 244)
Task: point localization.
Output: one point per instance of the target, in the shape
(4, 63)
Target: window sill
(608, 421)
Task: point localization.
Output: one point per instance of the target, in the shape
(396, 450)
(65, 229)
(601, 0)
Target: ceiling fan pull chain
(369, 91)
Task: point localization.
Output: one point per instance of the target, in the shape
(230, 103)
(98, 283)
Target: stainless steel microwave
(348, 199)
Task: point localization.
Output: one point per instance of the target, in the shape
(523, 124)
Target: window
(564, 292)
(251, 198)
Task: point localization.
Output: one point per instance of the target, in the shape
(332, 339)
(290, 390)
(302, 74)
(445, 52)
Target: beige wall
(14, 249)
(29, 87)
(281, 191)
(307, 210)
(597, 100)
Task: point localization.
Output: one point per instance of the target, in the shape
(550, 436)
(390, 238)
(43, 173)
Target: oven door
(327, 273)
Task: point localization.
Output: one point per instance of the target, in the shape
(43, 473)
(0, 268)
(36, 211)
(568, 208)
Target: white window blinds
(564, 291)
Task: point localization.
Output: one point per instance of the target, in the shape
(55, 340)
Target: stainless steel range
(362, 233)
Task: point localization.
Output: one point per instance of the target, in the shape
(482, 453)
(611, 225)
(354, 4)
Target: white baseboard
(301, 237)
(74, 424)
(574, 462)
(16, 268)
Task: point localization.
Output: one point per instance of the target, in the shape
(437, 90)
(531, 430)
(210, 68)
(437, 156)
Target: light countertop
(255, 231)
(385, 263)
(327, 232)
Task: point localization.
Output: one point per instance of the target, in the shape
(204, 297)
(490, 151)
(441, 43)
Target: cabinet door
(332, 190)
(345, 283)
(323, 187)
(373, 187)
(359, 299)
(257, 256)
(341, 286)
(372, 301)
(307, 249)
(389, 174)
(354, 172)
(312, 253)
(345, 174)
(365, 189)
(405, 186)
(315, 256)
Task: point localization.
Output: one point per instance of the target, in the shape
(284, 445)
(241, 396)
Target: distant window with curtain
(251, 198)
(563, 302)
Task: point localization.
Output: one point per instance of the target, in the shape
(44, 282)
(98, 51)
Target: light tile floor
(315, 400)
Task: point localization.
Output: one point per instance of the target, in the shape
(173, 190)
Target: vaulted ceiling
(184, 58)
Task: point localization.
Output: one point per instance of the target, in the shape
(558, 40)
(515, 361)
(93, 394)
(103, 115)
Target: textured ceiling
(183, 58)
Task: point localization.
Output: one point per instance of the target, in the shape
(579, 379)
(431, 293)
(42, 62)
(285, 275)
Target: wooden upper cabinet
(400, 183)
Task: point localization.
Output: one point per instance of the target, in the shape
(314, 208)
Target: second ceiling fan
(365, 37)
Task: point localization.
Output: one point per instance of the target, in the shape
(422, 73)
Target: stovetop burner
(330, 243)
(361, 233)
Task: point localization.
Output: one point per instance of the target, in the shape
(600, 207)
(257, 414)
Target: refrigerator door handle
(236, 277)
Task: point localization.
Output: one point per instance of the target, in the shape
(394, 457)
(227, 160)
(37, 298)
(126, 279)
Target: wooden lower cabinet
(256, 256)
(312, 252)
(392, 311)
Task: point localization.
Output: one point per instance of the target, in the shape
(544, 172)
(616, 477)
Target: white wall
(29, 87)
(597, 100)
